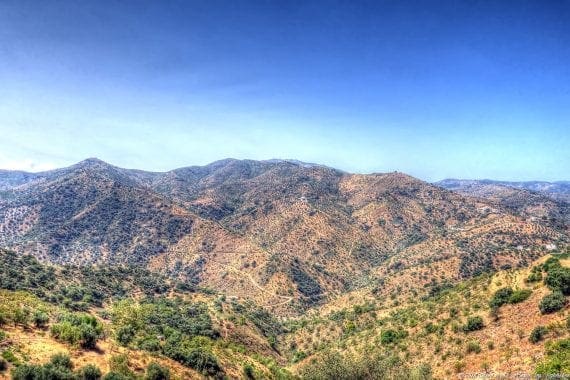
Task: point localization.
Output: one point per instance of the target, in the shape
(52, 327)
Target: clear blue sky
(468, 89)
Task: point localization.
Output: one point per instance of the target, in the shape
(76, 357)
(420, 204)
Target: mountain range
(288, 235)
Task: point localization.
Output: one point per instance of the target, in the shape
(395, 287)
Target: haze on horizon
(436, 90)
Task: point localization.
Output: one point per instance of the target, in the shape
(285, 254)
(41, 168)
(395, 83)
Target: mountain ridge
(271, 230)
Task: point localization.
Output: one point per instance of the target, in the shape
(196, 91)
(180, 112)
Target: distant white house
(550, 247)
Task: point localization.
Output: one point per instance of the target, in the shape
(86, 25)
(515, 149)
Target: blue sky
(467, 89)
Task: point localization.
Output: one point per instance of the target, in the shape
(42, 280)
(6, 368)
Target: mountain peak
(92, 161)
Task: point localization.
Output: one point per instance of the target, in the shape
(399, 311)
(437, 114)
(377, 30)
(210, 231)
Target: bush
(500, 297)
(81, 329)
(58, 368)
(550, 264)
(89, 372)
(392, 336)
(40, 319)
(333, 365)
(203, 361)
(10, 357)
(248, 372)
(558, 279)
(537, 334)
(125, 335)
(21, 317)
(155, 371)
(61, 361)
(557, 360)
(520, 295)
(508, 295)
(119, 364)
(28, 372)
(473, 324)
(551, 303)
(473, 347)
(534, 277)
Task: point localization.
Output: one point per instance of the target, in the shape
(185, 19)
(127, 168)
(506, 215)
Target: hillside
(284, 234)
(122, 319)
(68, 322)
(559, 190)
(497, 324)
(549, 202)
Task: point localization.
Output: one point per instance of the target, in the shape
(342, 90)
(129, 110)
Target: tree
(473, 324)
(537, 334)
(501, 297)
(89, 372)
(558, 279)
(40, 318)
(155, 371)
(552, 302)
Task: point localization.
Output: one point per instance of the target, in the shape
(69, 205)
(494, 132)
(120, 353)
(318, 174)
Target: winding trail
(286, 299)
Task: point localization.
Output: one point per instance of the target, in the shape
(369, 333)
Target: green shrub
(552, 302)
(557, 360)
(10, 357)
(508, 295)
(558, 279)
(78, 329)
(333, 365)
(125, 335)
(21, 316)
(500, 297)
(473, 347)
(432, 328)
(298, 356)
(537, 334)
(28, 372)
(40, 318)
(89, 372)
(248, 372)
(119, 364)
(114, 376)
(473, 324)
(550, 264)
(155, 371)
(392, 336)
(520, 296)
(58, 368)
(534, 277)
(203, 361)
(61, 361)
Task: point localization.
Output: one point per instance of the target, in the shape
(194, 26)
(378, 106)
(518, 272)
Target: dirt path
(286, 299)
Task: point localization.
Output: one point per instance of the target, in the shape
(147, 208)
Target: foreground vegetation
(75, 323)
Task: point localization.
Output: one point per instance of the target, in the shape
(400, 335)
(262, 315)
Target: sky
(462, 89)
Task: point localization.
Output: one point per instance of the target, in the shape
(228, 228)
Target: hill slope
(285, 234)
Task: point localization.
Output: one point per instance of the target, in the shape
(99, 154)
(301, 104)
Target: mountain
(559, 190)
(277, 269)
(286, 234)
(547, 201)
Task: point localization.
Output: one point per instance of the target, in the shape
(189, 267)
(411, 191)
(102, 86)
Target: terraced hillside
(284, 234)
